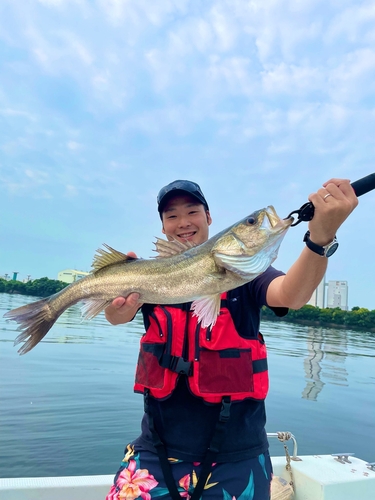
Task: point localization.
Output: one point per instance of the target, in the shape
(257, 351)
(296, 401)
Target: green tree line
(42, 287)
(359, 318)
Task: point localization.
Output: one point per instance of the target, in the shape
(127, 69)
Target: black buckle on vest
(179, 365)
(176, 364)
(225, 409)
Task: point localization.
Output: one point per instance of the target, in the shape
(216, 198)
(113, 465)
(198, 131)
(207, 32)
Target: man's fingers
(132, 299)
(336, 181)
(118, 302)
(122, 303)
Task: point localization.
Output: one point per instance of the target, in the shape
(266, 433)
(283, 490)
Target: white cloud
(137, 12)
(9, 112)
(354, 77)
(234, 72)
(291, 79)
(73, 146)
(353, 24)
(71, 191)
(223, 27)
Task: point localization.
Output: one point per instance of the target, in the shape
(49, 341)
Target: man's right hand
(123, 309)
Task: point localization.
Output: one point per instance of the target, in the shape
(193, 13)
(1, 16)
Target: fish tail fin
(34, 320)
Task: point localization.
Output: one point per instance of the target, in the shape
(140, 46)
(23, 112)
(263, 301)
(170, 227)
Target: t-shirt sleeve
(259, 288)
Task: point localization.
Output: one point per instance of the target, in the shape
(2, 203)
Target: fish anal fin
(92, 307)
(106, 257)
(170, 248)
(207, 309)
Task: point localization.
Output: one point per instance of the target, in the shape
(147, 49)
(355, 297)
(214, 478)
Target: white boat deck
(316, 478)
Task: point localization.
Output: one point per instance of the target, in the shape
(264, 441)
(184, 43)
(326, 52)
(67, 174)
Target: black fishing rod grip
(361, 186)
(364, 185)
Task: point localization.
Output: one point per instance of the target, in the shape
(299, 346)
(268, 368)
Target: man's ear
(162, 229)
(209, 219)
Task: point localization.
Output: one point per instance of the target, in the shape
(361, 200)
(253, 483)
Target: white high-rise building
(337, 294)
(318, 297)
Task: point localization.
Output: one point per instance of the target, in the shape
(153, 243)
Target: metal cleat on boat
(371, 466)
(343, 458)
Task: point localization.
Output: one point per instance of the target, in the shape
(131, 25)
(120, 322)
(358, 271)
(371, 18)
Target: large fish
(182, 273)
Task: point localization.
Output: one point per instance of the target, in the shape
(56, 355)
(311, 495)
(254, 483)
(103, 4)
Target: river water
(68, 407)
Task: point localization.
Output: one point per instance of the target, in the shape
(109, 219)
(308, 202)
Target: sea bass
(181, 273)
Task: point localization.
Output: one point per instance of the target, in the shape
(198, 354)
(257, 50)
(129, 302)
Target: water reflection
(312, 366)
(325, 358)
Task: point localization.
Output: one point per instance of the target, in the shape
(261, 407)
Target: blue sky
(102, 102)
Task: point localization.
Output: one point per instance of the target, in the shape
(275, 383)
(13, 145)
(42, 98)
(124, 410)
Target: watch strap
(320, 250)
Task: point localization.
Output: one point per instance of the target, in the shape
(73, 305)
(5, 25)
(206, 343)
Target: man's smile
(186, 236)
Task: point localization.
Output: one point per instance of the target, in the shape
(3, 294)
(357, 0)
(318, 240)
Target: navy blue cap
(189, 187)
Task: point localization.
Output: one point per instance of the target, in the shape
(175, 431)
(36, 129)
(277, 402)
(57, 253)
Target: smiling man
(203, 432)
(184, 212)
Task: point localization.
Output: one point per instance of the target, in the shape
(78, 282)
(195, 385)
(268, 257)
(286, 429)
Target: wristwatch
(326, 250)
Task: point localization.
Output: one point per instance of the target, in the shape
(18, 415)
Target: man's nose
(184, 222)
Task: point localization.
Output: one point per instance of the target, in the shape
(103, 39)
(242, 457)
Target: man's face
(185, 219)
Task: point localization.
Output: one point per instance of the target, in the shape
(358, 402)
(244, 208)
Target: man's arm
(295, 288)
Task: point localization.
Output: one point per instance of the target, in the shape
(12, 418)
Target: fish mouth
(272, 221)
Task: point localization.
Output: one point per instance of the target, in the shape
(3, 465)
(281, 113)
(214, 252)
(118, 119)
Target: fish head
(261, 230)
(255, 238)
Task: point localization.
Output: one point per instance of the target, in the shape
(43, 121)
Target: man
(199, 438)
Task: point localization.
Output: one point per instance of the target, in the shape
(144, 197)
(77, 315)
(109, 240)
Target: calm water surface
(68, 407)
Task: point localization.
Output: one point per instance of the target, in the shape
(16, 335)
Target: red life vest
(217, 362)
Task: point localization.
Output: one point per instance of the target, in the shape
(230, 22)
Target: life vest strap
(213, 449)
(260, 365)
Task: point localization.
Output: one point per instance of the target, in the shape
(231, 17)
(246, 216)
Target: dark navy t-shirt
(186, 423)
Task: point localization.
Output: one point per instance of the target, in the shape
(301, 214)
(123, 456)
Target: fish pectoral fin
(169, 248)
(244, 265)
(229, 244)
(207, 309)
(104, 258)
(92, 307)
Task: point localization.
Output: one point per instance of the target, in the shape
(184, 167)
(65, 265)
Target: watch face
(331, 250)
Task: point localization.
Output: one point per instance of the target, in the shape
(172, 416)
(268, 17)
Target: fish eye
(251, 221)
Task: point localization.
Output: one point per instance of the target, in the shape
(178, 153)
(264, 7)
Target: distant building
(318, 297)
(337, 295)
(71, 275)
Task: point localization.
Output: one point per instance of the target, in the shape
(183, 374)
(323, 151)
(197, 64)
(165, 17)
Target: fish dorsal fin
(169, 248)
(104, 258)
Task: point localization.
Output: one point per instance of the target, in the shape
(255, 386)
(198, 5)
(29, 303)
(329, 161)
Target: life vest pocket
(218, 338)
(227, 371)
(149, 373)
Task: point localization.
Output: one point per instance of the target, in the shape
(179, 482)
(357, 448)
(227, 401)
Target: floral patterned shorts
(140, 476)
